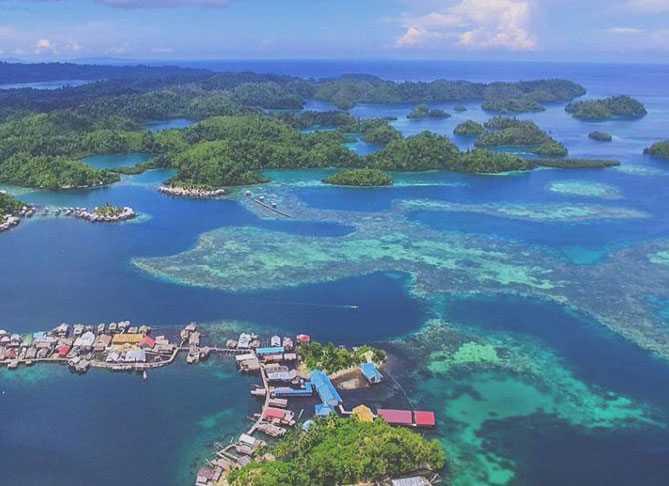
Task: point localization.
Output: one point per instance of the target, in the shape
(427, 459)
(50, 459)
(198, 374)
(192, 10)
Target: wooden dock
(267, 206)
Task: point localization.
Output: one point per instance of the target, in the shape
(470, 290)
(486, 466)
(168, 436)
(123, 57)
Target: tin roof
(396, 417)
(424, 418)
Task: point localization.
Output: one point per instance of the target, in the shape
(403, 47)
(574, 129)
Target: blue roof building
(307, 391)
(326, 390)
(272, 350)
(370, 372)
(323, 410)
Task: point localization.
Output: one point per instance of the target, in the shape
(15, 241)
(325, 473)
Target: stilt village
(8, 221)
(285, 383)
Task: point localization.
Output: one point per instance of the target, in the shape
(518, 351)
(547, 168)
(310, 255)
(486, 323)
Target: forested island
(659, 149)
(577, 163)
(424, 111)
(360, 177)
(9, 204)
(603, 109)
(44, 134)
(600, 136)
(346, 91)
(514, 132)
(339, 450)
(469, 128)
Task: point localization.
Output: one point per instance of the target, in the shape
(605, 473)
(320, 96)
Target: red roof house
(396, 417)
(62, 351)
(274, 413)
(147, 342)
(424, 419)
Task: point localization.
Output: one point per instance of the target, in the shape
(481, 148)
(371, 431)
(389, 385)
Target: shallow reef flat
(249, 258)
(33, 375)
(244, 258)
(585, 188)
(474, 378)
(660, 258)
(640, 170)
(553, 212)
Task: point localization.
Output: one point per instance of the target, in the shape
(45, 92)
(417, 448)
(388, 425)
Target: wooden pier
(276, 210)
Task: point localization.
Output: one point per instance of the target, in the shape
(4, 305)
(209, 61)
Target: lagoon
(111, 161)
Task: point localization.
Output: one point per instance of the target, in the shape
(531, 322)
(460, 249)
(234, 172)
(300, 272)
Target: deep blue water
(69, 290)
(68, 270)
(555, 454)
(115, 428)
(594, 353)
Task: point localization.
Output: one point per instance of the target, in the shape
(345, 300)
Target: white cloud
(162, 50)
(648, 6)
(73, 46)
(44, 45)
(623, 30)
(164, 3)
(476, 24)
(117, 50)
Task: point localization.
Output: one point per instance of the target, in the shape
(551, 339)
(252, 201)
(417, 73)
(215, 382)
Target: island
(514, 132)
(659, 149)
(424, 111)
(375, 130)
(337, 450)
(348, 90)
(9, 204)
(11, 211)
(600, 136)
(552, 148)
(360, 177)
(105, 214)
(185, 189)
(616, 106)
(44, 135)
(469, 128)
(577, 163)
(489, 162)
(459, 108)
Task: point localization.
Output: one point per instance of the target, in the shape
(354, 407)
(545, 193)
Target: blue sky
(624, 30)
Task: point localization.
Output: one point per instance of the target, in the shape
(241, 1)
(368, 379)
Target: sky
(560, 30)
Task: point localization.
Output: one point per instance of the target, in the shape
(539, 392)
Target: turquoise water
(174, 123)
(545, 291)
(110, 161)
